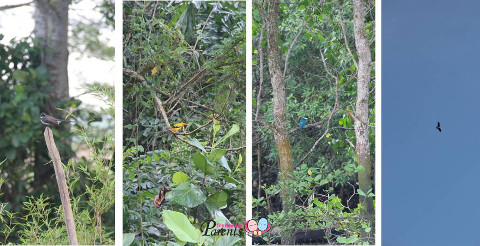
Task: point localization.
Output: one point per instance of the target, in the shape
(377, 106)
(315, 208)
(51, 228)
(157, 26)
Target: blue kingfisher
(303, 122)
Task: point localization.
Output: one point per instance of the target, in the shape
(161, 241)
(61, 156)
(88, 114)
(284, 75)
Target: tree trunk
(361, 111)
(51, 30)
(279, 118)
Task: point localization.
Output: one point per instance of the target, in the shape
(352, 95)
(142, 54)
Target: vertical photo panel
(184, 112)
(313, 122)
(429, 109)
(57, 172)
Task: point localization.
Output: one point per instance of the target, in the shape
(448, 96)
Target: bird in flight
(438, 127)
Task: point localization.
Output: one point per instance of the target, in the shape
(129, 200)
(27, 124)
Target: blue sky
(431, 72)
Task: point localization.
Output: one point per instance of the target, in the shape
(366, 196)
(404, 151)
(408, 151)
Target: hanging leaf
(197, 144)
(179, 224)
(219, 199)
(235, 128)
(201, 163)
(216, 154)
(187, 194)
(224, 163)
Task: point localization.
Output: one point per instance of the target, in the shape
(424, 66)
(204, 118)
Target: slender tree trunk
(279, 118)
(361, 111)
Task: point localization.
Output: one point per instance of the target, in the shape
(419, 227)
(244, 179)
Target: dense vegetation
(319, 65)
(30, 210)
(183, 63)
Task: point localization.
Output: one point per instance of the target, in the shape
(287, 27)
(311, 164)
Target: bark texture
(279, 115)
(51, 30)
(361, 111)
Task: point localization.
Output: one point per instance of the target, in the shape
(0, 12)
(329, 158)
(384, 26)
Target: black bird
(438, 127)
(50, 120)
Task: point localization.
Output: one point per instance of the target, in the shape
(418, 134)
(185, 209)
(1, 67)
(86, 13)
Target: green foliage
(324, 90)
(39, 219)
(23, 95)
(191, 58)
(179, 224)
(324, 210)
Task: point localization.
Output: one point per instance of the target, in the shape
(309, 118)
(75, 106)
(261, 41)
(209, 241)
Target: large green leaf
(180, 177)
(179, 224)
(201, 163)
(216, 154)
(235, 128)
(219, 198)
(128, 238)
(186, 194)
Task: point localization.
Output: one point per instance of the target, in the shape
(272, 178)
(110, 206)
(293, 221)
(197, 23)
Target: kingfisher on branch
(303, 122)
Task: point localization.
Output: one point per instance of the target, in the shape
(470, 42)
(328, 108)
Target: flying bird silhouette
(438, 127)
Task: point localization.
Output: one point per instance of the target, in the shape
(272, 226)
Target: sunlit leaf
(179, 224)
(180, 177)
(235, 128)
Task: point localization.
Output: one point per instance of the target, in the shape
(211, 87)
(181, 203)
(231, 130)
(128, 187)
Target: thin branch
(158, 102)
(344, 32)
(14, 6)
(260, 52)
(178, 136)
(315, 144)
(269, 126)
(293, 45)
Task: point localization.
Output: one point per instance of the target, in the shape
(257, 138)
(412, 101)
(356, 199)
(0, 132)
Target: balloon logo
(256, 229)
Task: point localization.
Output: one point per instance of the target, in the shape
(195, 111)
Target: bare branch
(14, 6)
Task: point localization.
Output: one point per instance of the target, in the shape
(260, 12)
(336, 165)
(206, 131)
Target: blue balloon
(262, 224)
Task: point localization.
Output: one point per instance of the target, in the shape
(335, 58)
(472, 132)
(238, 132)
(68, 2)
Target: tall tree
(51, 32)
(361, 111)
(279, 116)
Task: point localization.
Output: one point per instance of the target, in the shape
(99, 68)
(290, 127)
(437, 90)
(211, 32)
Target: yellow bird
(181, 124)
(177, 126)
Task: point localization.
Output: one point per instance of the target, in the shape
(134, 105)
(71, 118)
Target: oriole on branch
(177, 126)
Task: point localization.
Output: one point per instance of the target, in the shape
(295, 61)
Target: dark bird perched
(438, 127)
(50, 120)
(303, 122)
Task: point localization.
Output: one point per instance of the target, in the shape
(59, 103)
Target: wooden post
(62, 186)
